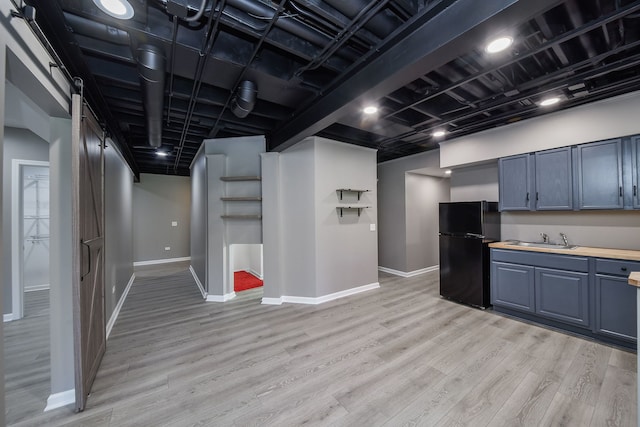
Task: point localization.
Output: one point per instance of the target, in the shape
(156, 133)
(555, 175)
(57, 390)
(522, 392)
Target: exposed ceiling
(317, 63)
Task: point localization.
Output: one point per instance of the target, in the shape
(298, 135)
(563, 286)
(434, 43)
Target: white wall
(18, 144)
(118, 227)
(157, 201)
(198, 233)
(247, 258)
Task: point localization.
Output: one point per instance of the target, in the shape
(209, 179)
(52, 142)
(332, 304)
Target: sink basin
(542, 245)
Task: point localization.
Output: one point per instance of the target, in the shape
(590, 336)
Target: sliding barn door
(88, 240)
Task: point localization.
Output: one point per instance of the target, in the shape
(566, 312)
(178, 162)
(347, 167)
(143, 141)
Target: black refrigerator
(466, 229)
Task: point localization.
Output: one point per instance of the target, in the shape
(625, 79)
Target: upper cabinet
(553, 178)
(516, 182)
(599, 175)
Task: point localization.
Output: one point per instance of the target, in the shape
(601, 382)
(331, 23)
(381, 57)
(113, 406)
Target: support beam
(429, 42)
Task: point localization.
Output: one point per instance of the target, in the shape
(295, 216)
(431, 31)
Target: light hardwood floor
(399, 355)
(26, 359)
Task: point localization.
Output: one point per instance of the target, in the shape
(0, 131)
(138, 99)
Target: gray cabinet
(512, 286)
(599, 175)
(516, 182)
(635, 161)
(562, 295)
(553, 180)
(615, 300)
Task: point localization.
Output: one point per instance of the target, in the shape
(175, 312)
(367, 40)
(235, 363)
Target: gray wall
(157, 201)
(346, 249)
(402, 244)
(478, 182)
(423, 196)
(199, 217)
(118, 227)
(18, 144)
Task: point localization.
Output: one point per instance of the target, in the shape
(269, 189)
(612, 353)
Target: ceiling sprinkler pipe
(245, 99)
(152, 66)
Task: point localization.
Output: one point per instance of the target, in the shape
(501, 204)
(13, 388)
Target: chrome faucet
(545, 237)
(564, 239)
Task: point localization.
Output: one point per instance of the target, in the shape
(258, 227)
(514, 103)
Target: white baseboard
(320, 300)
(58, 400)
(161, 261)
(44, 287)
(195, 277)
(408, 273)
(221, 298)
(116, 310)
(255, 273)
(272, 301)
(7, 317)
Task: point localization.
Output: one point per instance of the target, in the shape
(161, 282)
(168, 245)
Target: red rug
(243, 280)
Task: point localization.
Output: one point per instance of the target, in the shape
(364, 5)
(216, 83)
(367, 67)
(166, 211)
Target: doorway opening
(246, 268)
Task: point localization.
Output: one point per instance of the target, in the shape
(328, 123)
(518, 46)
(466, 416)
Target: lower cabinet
(563, 295)
(512, 286)
(585, 295)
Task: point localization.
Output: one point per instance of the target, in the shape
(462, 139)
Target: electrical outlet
(372, 227)
(167, 248)
(174, 223)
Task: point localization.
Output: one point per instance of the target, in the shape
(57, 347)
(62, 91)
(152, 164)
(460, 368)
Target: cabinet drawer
(539, 259)
(616, 267)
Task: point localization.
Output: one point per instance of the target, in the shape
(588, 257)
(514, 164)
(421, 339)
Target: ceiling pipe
(151, 67)
(96, 29)
(245, 99)
(380, 25)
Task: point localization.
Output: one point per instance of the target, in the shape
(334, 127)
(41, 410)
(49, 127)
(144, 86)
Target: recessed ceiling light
(438, 133)
(547, 102)
(499, 44)
(120, 9)
(370, 109)
(162, 153)
(447, 172)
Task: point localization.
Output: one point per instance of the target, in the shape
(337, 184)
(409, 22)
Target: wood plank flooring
(399, 355)
(27, 365)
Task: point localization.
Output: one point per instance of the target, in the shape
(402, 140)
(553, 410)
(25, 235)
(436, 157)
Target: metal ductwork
(152, 66)
(245, 98)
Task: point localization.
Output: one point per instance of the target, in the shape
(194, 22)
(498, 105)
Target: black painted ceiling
(317, 63)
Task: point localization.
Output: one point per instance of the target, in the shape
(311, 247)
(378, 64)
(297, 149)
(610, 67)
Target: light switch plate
(372, 227)
(174, 223)
(167, 248)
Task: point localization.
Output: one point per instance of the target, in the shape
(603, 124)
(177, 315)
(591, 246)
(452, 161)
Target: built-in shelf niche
(241, 198)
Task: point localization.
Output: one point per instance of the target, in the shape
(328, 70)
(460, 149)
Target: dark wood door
(88, 240)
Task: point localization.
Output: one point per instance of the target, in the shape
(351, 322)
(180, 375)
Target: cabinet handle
(635, 191)
(527, 196)
(536, 196)
(620, 191)
(623, 268)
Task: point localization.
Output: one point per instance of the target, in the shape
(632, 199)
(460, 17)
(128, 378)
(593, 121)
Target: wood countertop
(634, 278)
(625, 254)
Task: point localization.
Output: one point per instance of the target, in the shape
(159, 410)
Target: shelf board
(351, 190)
(241, 199)
(241, 216)
(351, 208)
(240, 178)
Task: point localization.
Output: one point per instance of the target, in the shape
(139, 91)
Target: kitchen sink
(542, 245)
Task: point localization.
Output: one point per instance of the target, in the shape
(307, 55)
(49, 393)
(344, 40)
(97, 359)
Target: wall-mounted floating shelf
(351, 190)
(241, 216)
(351, 208)
(241, 199)
(240, 178)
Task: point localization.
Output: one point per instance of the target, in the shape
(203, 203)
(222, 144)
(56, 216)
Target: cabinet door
(615, 304)
(563, 295)
(516, 182)
(600, 175)
(512, 286)
(635, 149)
(554, 183)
